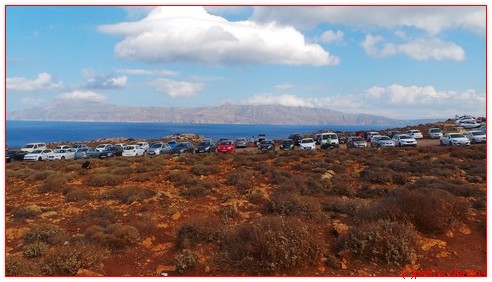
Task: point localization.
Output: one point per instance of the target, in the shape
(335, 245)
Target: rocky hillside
(224, 114)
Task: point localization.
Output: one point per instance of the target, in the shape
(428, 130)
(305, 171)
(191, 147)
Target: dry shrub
(350, 207)
(35, 249)
(429, 210)
(77, 194)
(40, 175)
(180, 178)
(242, 179)
(293, 204)
(18, 266)
(126, 170)
(195, 231)
(67, 260)
(103, 179)
(204, 169)
(45, 233)
(185, 261)
(456, 187)
(269, 246)
(128, 195)
(54, 183)
(24, 212)
(382, 242)
(198, 188)
(116, 237)
(21, 173)
(102, 216)
(340, 185)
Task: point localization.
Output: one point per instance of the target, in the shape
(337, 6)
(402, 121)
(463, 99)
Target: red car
(226, 146)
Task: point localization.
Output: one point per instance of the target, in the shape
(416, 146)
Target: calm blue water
(18, 133)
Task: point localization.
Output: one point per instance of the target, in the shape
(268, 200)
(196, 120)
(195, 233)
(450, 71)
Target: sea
(19, 133)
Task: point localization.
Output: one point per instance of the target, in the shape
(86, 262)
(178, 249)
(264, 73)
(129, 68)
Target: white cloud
(147, 72)
(420, 49)
(413, 102)
(31, 102)
(284, 86)
(177, 88)
(42, 82)
(431, 19)
(191, 34)
(82, 96)
(104, 82)
(330, 36)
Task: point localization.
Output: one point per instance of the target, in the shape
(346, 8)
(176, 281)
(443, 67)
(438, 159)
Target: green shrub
(18, 266)
(116, 237)
(269, 246)
(383, 242)
(67, 260)
(35, 249)
(24, 212)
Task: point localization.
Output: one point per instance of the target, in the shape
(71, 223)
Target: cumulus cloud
(431, 19)
(419, 49)
(191, 34)
(80, 95)
(42, 82)
(422, 101)
(330, 36)
(104, 82)
(177, 88)
(147, 72)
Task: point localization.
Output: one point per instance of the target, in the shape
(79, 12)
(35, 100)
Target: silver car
(476, 136)
(404, 140)
(382, 141)
(158, 148)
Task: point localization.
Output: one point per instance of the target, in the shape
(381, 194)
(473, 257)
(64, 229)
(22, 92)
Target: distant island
(223, 114)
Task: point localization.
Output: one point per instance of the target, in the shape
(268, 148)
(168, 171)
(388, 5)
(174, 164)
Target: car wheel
(473, 141)
(40, 159)
(442, 143)
(62, 158)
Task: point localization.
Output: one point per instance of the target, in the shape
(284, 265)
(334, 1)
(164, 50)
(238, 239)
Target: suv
(329, 140)
(296, 137)
(435, 133)
(29, 147)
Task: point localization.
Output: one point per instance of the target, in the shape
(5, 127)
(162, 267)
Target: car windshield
(405, 137)
(227, 142)
(456, 135)
(171, 142)
(356, 139)
(129, 147)
(181, 145)
(36, 152)
(156, 145)
(435, 130)
(385, 138)
(307, 141)
(287, 142)
(477, 133)
(60, 151)
(100, 146)
(28, 146)
(241, 140)
(329, 136)
(204, 143)
(266, 142)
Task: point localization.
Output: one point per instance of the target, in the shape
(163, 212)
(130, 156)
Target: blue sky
(401, 62)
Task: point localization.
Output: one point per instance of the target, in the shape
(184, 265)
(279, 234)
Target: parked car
(10, 156)
(87, 153)
(404, 140)
(296, 137)
(158, 148)
(143, 145)
(454, 139)
(435, 133)
(356, 142)
(483, 128)
(77, 146)
(241, 143)
(266, 145)
(369, 134)
(133, 151)
(415, 133)
(261, 137)
(206, 146)
(226, 146)
(307, 144)
(471, 123)
(183, 147)
(38, 155)
(62, 154)
(342, 139)
(476, 136)
(287, 144)
(172, 143)
(115, 151)
(29, 147)
(63, 147)
(329, 140)
(102, 147)
(392, 133)
(382, 142)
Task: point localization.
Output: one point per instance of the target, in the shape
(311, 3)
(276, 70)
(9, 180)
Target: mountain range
(223, 114)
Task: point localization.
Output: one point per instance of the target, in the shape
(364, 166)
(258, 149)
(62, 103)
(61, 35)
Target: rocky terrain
(340, 212)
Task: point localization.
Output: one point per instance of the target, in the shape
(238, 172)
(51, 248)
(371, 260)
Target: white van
(29, 147)
(329, 140)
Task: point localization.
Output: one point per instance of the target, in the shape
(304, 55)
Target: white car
(133, 151)
(476, 136)
(404, 140)
(38, 155)
(29, 147)
(307, 144)
(143, 145)
(415, 133)
(63, 154)
(435, 133)
(63, 147)
(371, 134)
(471, 123)
(103, 147)
(329, 140)
(454, 139)
(382, 141)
